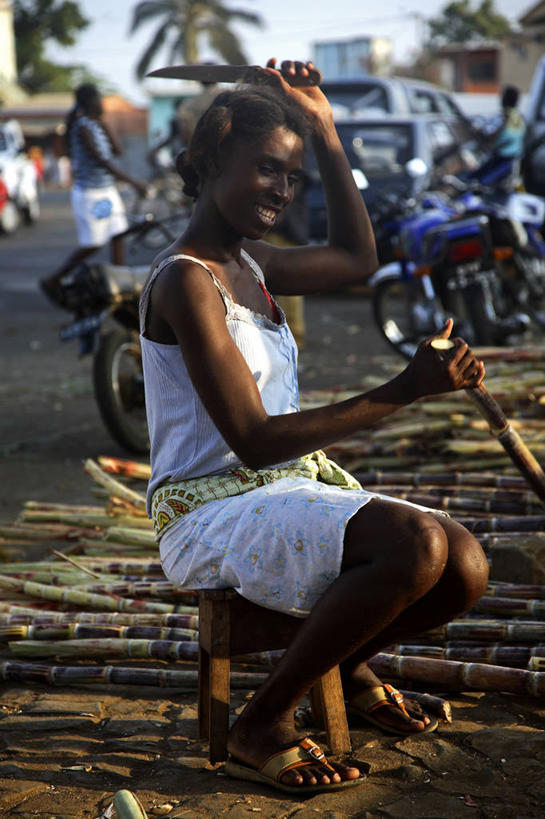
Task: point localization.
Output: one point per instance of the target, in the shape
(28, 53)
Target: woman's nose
(282, 189)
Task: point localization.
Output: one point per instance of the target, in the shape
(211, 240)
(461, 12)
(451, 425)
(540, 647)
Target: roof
(534, 16)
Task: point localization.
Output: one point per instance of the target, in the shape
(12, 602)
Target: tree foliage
(35, 23)
(184, 24)
(458, 22)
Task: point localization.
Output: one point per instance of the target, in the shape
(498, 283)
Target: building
(484, 67)
(353, 58)
(9, 90)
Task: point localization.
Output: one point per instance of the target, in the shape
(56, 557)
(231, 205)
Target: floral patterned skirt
(280, 545)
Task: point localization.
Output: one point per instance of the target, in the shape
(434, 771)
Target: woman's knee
(412, 545)
(467, 568)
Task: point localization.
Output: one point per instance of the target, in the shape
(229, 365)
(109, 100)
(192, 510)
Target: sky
(288, 32)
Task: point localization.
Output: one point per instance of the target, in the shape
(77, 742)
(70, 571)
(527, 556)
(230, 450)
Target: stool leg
(214, 668)
(203, 704)
(328, 706)
(219, 707)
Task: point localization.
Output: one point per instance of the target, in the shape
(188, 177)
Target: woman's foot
(252, 743)
(384, 706)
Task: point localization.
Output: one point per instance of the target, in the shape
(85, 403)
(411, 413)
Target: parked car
(379, 150)
(533, 165)
(19, 178)
(374, 95)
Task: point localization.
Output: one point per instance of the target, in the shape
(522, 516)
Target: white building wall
(8, 65)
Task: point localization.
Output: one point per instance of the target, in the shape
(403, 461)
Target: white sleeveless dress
(279, 545)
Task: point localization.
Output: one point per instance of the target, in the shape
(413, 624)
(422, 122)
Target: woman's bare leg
(462, 583)
(394, 556)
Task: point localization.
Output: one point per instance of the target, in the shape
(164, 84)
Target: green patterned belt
(173, 500)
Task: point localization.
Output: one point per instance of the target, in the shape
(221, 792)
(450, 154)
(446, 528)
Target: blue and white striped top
(86, 171)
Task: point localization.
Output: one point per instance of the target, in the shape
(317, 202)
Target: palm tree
(182, 22)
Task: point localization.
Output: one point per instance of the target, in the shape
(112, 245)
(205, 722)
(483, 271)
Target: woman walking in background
(98, 208)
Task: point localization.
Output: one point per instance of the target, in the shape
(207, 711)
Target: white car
(18, 179)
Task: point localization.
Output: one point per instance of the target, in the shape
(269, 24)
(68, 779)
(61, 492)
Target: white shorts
(280, 545)
(99, 215)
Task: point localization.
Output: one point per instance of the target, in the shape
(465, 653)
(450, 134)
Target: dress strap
(146, 292)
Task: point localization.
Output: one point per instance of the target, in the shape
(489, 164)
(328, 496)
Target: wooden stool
(229, 625)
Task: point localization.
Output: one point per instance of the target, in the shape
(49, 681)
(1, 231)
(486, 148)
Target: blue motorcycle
(437, 262)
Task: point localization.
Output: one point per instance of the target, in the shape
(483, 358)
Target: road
(49, 422)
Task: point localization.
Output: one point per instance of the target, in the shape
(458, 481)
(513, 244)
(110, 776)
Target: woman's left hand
(431, 373)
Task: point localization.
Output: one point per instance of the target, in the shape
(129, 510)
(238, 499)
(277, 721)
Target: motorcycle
(516, 219)
(436, 262)
(99, 294)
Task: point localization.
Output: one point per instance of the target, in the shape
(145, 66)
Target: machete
(247, 74)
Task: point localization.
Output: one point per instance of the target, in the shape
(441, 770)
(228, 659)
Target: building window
(482, 68)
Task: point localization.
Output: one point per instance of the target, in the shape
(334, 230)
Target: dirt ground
(64, 752)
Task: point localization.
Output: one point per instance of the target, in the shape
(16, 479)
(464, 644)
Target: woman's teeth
(266, 214)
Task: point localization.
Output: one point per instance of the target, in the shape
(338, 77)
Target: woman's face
(256, 181)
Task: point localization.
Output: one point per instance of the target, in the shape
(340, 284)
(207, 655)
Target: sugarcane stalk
(442, 479)
(457, 676)
(523, 590)
(430, 703)
(85, 521)
(75, 563)
(489, 630)
(32, 617)
(511, 607)
(107, 648)
(132, 536)
(503, 655)
(120, 466)
(503, 431)
(113, 486)
(529, 523)
(82, 598)
(84, 631)
(115, 675)
(141, 588)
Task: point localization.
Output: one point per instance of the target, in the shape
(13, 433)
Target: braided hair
(248, 114)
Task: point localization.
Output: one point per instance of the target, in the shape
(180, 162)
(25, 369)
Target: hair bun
(189, 175)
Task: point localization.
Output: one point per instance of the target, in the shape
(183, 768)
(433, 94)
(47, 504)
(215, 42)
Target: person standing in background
(98, 208)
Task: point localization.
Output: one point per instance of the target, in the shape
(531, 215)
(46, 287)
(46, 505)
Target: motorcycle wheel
(119, 389)
(405, 315)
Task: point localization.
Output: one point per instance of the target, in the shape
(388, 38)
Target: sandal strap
(379, 696)
(298, 756)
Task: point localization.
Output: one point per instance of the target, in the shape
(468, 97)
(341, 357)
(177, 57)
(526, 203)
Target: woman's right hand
(310, 97)
(432, 372)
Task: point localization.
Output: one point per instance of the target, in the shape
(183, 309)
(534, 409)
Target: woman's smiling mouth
(267, 214)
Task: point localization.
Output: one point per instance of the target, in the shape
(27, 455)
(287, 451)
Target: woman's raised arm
(350, 254)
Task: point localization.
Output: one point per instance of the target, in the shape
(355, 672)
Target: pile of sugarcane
(444, 433)
(99, 595)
